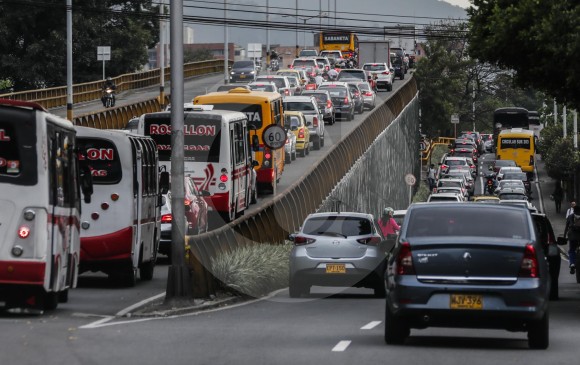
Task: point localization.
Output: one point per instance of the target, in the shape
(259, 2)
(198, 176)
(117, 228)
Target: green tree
(33, 39)
(537, 39)
(197, 55)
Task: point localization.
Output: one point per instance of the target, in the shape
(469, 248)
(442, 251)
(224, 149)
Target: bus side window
(239, 144)
(134, 159)
(277, 111)
(145, 167)
(153, 170)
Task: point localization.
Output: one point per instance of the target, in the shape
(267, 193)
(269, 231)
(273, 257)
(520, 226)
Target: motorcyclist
(332, 74)
(109, 84)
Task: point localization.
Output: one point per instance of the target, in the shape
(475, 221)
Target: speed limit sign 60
(274, 137)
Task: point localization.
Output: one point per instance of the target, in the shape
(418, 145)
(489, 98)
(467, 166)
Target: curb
(153, 309)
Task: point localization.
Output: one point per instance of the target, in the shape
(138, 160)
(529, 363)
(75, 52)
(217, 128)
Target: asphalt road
(332, 326)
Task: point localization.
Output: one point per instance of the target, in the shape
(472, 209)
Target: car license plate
(335, 268)
(242, 76)
(466, 301)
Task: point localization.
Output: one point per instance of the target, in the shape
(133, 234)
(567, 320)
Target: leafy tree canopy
(538, 39)
(197, 55)
(33, 39)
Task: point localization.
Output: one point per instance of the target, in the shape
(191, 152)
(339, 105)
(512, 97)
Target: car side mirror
(291, 237)
(204, 193)
(255, 163)
(162, 200)
(309, 124)
(86, 182)
(255, 143)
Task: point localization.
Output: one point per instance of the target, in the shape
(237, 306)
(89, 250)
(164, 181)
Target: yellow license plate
(242, 76)
(335, 269)
(465, 301)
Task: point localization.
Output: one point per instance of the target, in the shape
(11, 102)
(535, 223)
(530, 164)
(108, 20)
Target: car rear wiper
(331, 234)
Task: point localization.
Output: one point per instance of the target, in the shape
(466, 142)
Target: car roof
(297, 98)
(345, 214)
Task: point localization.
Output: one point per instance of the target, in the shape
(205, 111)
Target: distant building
(217, 49)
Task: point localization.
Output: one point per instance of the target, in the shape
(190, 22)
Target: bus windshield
(103, 160)
(18, 152)
(201, 137)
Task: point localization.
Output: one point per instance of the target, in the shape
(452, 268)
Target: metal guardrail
(287, 211)
(90, 91)
(426, 155)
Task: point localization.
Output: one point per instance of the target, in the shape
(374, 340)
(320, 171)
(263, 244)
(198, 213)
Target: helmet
(388, 211)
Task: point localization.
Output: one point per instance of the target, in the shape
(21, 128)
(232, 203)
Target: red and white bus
(120, 228)
(40, 203)
(217, 155)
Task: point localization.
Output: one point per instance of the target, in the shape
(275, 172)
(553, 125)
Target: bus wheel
(146, 270)
(63, 296)
(50, 301)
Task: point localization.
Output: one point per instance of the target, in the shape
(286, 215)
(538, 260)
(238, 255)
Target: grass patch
(253, 271)
(423, 191)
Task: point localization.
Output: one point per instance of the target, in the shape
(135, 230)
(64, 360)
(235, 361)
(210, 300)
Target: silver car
(368, 95)
(337, 249)
(450, 268)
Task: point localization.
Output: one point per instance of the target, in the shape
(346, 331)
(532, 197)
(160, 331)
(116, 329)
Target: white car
(290, 146)
(263, 86)
(444, 197)
(502, 171)
(510, 184)
(383, 75)
(368, 95)
(314, 119)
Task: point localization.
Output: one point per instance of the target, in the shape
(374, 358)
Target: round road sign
(274, 137)
(410, 179)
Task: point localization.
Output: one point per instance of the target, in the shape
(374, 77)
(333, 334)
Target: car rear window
(304, 63)
(374, 67)
(336, 92)
(502, 163)
(279, 82)
(459, 221)
(320, 97)
(243, 64)
(455, 162)
(346, 226)
(299, 106)
(516, 176)
(463, 154)
(347, 74)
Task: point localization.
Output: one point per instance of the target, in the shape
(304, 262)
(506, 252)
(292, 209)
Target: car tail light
(452, 151)
(313, 74)
(166, 218)
(23, 232)
(291, 66)
(472, 166)
(301, 240)
(286, 92)
(405, 260)
(188, 202)
(385, 72)
(368, 93)
(329, 104)
(371, 241)
(315, 121)
(356, 94)
(345, 100)
(529, 266)
(326, 68)
(301, 133)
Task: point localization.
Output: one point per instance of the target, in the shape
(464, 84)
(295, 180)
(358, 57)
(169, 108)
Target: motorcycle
(108, 98)
(489, 184)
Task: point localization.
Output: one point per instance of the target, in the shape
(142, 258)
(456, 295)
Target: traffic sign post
(455, 122)
(103, 54)
(410, 180)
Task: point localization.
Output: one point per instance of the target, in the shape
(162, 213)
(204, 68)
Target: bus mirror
(255, 163)
(164, 182)
(204, 193)
(162, 200)
(255, 143)
(86, 181)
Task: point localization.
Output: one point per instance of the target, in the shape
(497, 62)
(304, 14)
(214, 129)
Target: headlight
(232, 73)
(252, 72)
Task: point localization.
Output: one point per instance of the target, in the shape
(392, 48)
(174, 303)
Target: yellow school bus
(519, 145)
(263, 109)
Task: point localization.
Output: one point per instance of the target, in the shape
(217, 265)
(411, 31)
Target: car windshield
(458, 221)
(337, 225)
(243, 64)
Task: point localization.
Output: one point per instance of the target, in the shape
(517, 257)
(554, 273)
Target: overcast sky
(462, 3)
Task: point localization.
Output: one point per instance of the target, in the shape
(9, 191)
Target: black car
(324, 101)
(341, 98)
(243, 71)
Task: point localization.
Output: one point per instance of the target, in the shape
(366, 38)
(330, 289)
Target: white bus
(40, 203)
(120, 228)
(217, 155)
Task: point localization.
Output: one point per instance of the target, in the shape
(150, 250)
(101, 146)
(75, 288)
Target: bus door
(62, 202)
(137, 198)
(240, 165)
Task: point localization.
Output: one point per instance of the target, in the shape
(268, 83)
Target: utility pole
(297, 53)
(69, 60)
(267, 33)
(555, 112)
(226, 45)
(473, 104)
(575, 112)
(162, 55)
(564, 122)
(178, 280)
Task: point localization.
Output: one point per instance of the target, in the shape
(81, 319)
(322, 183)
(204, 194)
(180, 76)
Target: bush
(253, 271)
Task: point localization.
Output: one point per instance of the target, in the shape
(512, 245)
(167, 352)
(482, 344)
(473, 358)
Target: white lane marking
(122, 312)
(370, 325)
(341, 346)
(103, 322)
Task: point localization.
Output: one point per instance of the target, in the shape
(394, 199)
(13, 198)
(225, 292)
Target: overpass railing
(89, 91)
(287, 211)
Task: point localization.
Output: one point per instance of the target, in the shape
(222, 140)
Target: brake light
(301, 241)
(301, 133)
(452, 151)
(23, 232)
(346, 99)
(472, 166)
(188, 202)
(386, 73)
(529, 266)
(328, 103)
(315, 121)
(224, 178)
(405, 260)
(371, 241)
(368, 93)
(166, 218)
(286, 92)
(267, 155)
